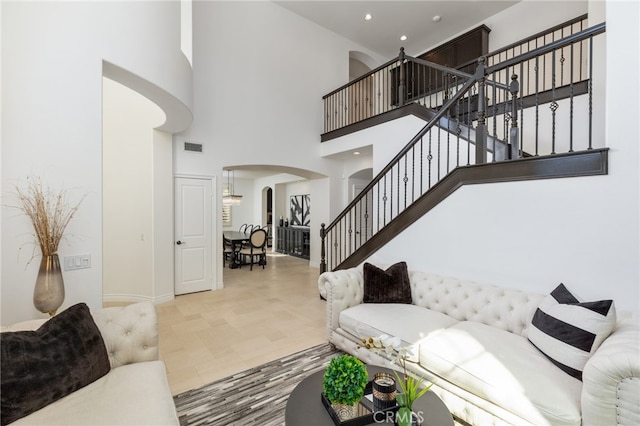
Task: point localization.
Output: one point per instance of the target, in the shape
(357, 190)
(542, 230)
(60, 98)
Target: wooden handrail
(547, 48)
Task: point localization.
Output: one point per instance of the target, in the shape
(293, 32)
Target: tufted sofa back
(130, 333)
(508, 309)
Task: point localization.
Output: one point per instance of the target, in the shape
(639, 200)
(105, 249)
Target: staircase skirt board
(592, 162)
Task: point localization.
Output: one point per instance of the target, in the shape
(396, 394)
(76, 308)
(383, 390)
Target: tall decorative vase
(48, 293)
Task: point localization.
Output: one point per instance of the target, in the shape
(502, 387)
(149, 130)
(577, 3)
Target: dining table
(236, 238)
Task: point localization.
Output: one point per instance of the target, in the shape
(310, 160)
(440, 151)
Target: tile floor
(259, 316)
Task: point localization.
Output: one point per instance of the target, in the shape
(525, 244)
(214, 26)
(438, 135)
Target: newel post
(514, 135)
(403, 83)
(323, 263)
(481, 129)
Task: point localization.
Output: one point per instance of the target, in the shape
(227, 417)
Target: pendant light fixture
(231, 199)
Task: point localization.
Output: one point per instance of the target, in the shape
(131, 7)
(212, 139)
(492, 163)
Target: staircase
(475, 126)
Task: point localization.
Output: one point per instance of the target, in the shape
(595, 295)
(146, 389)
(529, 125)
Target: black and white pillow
(568, 331)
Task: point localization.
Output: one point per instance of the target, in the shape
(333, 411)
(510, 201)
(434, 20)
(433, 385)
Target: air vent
(195, 147)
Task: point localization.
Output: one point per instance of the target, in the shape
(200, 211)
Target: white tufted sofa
(134, 392)
(470, 341)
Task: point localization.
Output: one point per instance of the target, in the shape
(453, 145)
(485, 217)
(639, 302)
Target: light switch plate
(80, 261)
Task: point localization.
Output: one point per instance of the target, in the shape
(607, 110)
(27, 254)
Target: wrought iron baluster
(469, 125)
(384, 201)
(439, 155)
(590, 93)
(521, 153)
(448, 140)
(421, 164)
(366, 215)
(458, 132)
(394, 192)
(571, 100)
(413, 175)
(514, 141)
(494, 103)
(350, 233)
(536, 72)
(430, 157)
(378, 208)
(554, 105)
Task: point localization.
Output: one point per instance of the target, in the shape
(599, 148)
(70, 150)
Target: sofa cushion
(504, 368)
(39, 367)
(569, 331)
(390, 286)
(408, 322)
(134, 394)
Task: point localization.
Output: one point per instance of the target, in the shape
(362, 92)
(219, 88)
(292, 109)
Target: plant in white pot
(50, 214)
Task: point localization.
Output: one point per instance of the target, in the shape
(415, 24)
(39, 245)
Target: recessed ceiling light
(368, 17)
(356, 153)
(436, 18)
(403, 37)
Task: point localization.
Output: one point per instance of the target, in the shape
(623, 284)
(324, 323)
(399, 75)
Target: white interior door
(193, 235)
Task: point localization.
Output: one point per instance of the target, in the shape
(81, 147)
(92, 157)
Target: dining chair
(256, 248)
(227, 251)
(243, 227)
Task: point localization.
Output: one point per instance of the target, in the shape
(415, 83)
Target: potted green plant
(343, 384)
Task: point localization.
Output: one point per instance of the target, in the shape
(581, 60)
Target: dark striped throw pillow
(568, 331)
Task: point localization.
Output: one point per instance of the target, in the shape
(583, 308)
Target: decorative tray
(364, 414)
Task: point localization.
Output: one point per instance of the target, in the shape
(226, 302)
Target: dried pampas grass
(49, 213)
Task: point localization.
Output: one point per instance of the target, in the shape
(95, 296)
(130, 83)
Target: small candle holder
(384, 391)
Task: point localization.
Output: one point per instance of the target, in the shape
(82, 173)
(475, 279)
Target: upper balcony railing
(378, 91)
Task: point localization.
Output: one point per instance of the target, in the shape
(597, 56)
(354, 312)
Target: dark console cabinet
(461, 53)
(461, 50)
(293, 240)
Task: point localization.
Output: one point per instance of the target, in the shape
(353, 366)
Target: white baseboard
(135, 298)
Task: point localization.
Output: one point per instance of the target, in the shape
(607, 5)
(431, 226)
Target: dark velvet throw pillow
(390, 286)
(39, 367)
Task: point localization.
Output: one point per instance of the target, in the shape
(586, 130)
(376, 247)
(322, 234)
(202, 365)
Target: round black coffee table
(305, 408)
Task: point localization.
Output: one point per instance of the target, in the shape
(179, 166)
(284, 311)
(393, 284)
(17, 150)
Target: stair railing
(471, 116)
(439, 147)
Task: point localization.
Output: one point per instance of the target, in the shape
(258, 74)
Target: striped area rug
(257, 396)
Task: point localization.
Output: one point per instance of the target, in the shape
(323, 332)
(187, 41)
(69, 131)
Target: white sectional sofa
(471, 341)
(134, 392)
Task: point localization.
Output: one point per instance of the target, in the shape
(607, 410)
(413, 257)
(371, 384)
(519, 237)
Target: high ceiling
(392, 19)
(381, 34)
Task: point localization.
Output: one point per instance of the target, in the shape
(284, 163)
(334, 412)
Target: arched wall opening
(358, 181)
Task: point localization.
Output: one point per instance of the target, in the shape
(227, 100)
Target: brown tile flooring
(259, 316)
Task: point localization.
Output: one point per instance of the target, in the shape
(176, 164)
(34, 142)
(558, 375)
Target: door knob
(180, 242)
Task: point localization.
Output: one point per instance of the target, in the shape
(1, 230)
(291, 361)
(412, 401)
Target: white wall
(532, 235)
(260, 72)
(127, 197)
(52, 65)
(162, 218)
(137, 199)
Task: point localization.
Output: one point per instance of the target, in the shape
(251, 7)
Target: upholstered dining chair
(256, 248)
